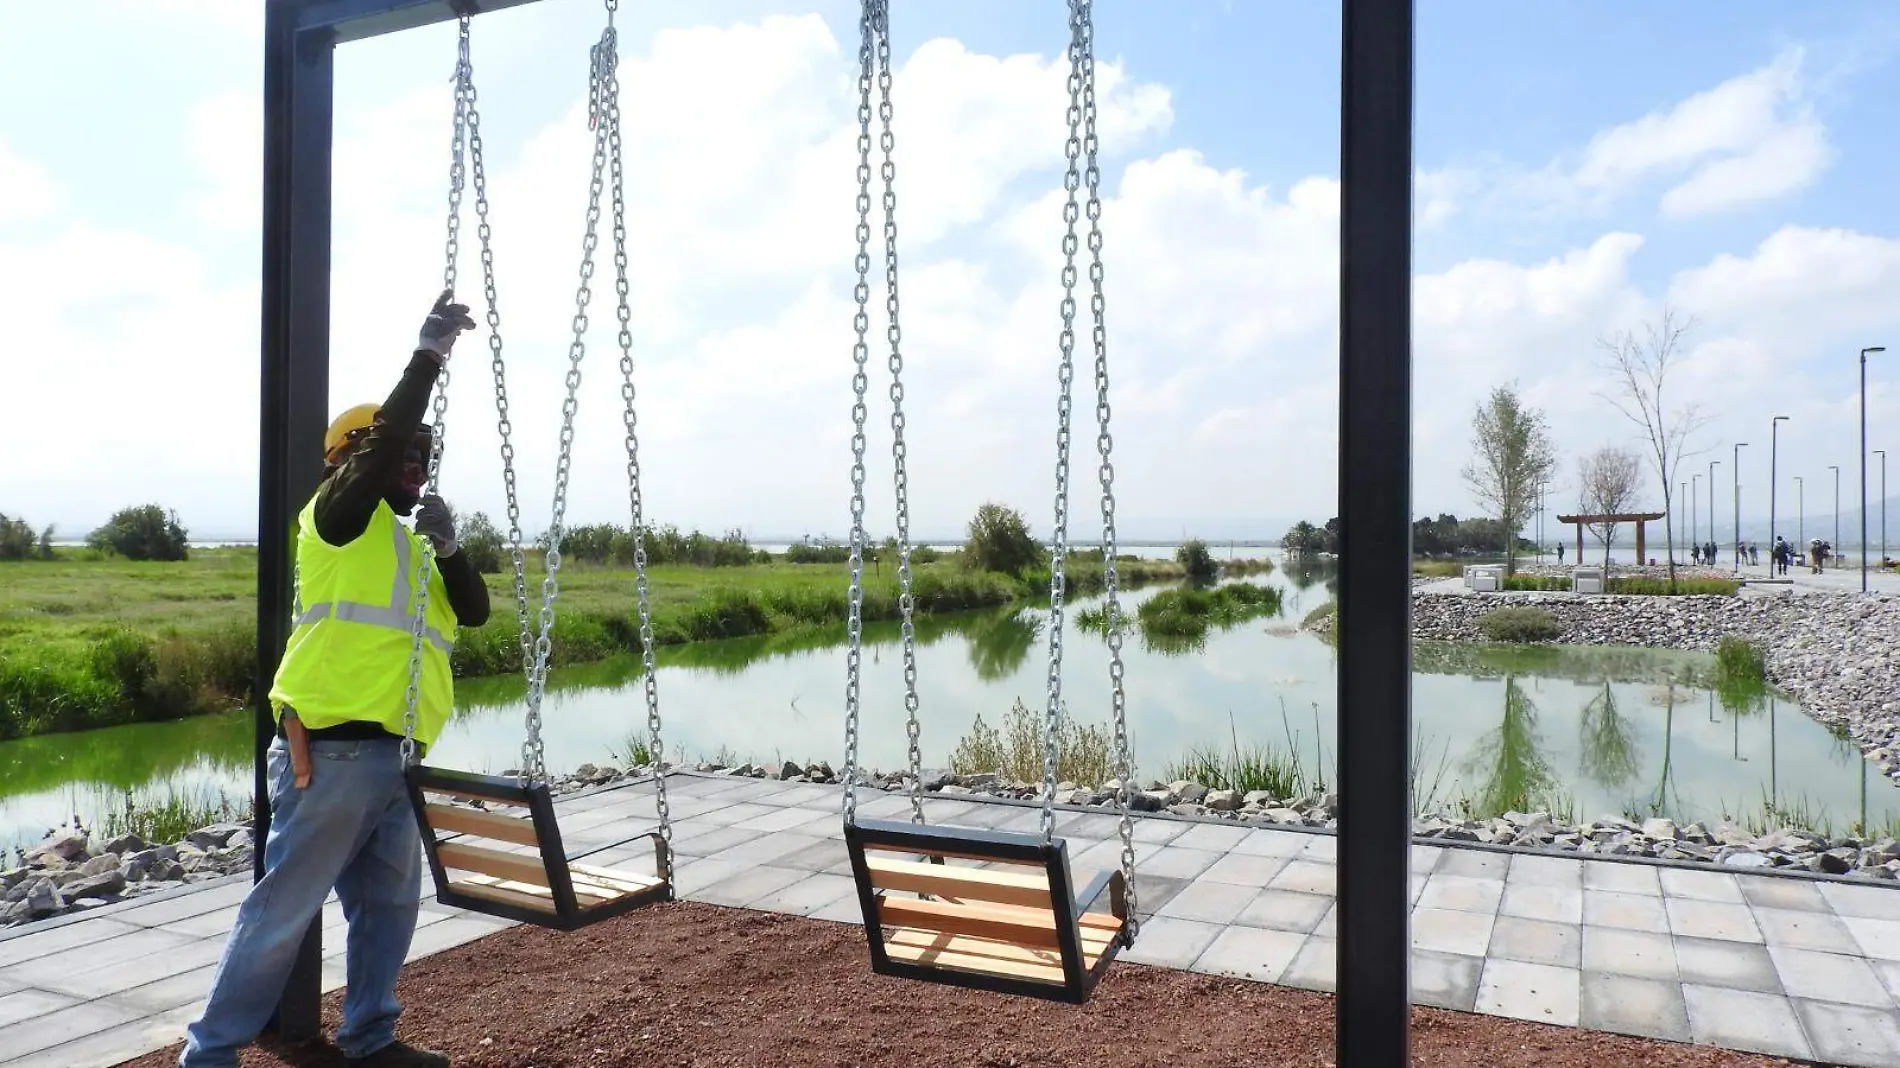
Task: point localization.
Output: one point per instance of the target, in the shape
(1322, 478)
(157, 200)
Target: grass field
(90, 643)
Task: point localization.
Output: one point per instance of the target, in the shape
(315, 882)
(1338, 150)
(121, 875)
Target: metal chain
(1105, 443)
(869, 11)
(624, 309)
(425, 560)
(503, 425)
(1059, 548)
(906, 601)
(602, 61)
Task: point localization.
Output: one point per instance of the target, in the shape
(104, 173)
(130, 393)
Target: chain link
(870, 11)
(624, 310)
(1084, 29)
(906, 600)
(451, 256)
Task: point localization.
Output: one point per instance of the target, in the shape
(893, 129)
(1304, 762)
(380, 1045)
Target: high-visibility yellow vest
(349, 649)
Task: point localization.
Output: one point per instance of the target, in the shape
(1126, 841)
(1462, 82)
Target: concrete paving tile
(1852, 1034)
(844, 910)
(989, 814)
(1700, 885)
(1804, 930)
(59, 939)
(1329, 923)
(1889, 972)
(1321, 847)
(811, 796)
(1741, 965)
(872, 806)
(825, 856)
(1652, 1008)
(1171, 943)
(195, 903)
(1463, 893)
(1806, 973)
(702, 785)
(766, 849)
(185, 988)
(692, 876)
(1532, 870)
(1744, 1020)
(1219, 837)
(1879, 939)
(1537, 942)
(1175, 862)
(1620, 878)
(1284, 910)
(782, 819)
(452, 932)
(1153, 892)
(1524, 991)
(27, 1004)
(100, 981)
(49, 1029)
(1425, 858)
(1250, 953)
(1449, 931)
(810, 894)
(1316, 966)
(1209, 902)
(1088, 825)
(218, 922)
(1540, 901)
(1635, 912)
(1266, 843)
(703, 840)
(1868, 902)
(747, 886)
(1445, 980)
(1696, 918)
(102, 1049)
(733, 814)
(1642, 954)
(1766, 891)
(1307, 877)
(1158, 831)
(42, 971)
(1242, 869)
(1474, 863)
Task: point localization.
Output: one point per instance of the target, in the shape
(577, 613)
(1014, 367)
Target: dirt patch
(694, 985)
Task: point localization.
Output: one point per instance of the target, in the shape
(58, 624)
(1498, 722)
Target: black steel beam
(1375, 484)
(342, 21)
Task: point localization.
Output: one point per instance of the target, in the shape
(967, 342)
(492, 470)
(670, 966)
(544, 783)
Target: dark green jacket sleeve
(348, 498)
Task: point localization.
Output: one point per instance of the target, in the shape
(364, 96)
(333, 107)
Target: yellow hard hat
(346, 426)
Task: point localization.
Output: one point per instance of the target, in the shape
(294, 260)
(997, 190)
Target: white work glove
(446, 320)
(434, 522)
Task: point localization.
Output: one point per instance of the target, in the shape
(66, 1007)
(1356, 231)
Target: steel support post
(1375, 486)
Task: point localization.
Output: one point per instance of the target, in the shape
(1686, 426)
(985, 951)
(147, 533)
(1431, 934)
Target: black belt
(352, 731)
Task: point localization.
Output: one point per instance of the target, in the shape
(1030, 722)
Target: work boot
(399, 1054)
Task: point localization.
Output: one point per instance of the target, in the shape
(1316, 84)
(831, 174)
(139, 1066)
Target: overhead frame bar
(1375, 451)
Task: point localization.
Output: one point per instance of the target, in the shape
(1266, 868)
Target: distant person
(1560, 554)
(340, 809)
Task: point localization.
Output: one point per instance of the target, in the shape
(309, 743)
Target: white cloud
(27, 191)
(225, 139)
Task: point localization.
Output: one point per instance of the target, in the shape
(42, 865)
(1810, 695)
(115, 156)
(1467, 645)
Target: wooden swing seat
(541, 887)
(1017, 929)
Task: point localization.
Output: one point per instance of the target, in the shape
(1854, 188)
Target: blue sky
(1578, 165)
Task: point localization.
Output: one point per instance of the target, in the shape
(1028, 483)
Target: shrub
(482, 544)
(147, 532)
(999, 541)
(1083, 750)
(1197, 561)
(1519, 624)
(824, 553)
(16, 538)
(1740, 660)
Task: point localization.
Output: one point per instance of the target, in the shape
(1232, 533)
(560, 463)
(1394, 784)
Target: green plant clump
(1189, 613)
(1197, 562)
(1740, 660)
(1015, 751)
(1519, 624)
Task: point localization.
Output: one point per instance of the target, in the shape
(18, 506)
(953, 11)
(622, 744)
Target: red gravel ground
(693, 985)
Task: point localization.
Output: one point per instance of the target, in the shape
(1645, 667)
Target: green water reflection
(1592, 731)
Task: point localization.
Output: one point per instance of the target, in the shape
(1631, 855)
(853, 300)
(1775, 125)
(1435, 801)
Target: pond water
(1590, 732)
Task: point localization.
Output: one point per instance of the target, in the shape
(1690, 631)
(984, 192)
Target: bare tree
(1609, 481)
(1640, 367)
(1513, 455)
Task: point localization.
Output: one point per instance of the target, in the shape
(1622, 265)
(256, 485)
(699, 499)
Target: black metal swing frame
(1375, 454)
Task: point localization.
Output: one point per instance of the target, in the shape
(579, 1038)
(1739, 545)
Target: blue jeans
(351, 828)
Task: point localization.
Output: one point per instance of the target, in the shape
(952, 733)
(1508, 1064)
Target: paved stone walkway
(1795, 967)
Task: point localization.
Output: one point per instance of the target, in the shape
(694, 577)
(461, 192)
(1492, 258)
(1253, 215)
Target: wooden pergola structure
(1641, 519)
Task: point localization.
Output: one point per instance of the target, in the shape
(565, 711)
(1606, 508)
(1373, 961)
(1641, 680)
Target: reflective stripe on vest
(395, 615)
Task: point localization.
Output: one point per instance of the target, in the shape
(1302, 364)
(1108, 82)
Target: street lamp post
(1713, 464)
(1801, 510)
(1835, 546)
(1863, 461)
(1682, 491)
(1882, 453)
(1695, 490)
(1774, 442)
(1735, 495)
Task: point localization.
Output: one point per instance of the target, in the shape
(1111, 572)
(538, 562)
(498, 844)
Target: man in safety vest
(341, 815)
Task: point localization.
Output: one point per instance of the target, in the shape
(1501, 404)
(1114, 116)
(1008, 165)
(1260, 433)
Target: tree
(1513, 455)
(482, 544)
(1609, 481)
(1640, 367)
(16, 538)
(1197, 561)
(1304, 539)
(999, 541)
(147, 532)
